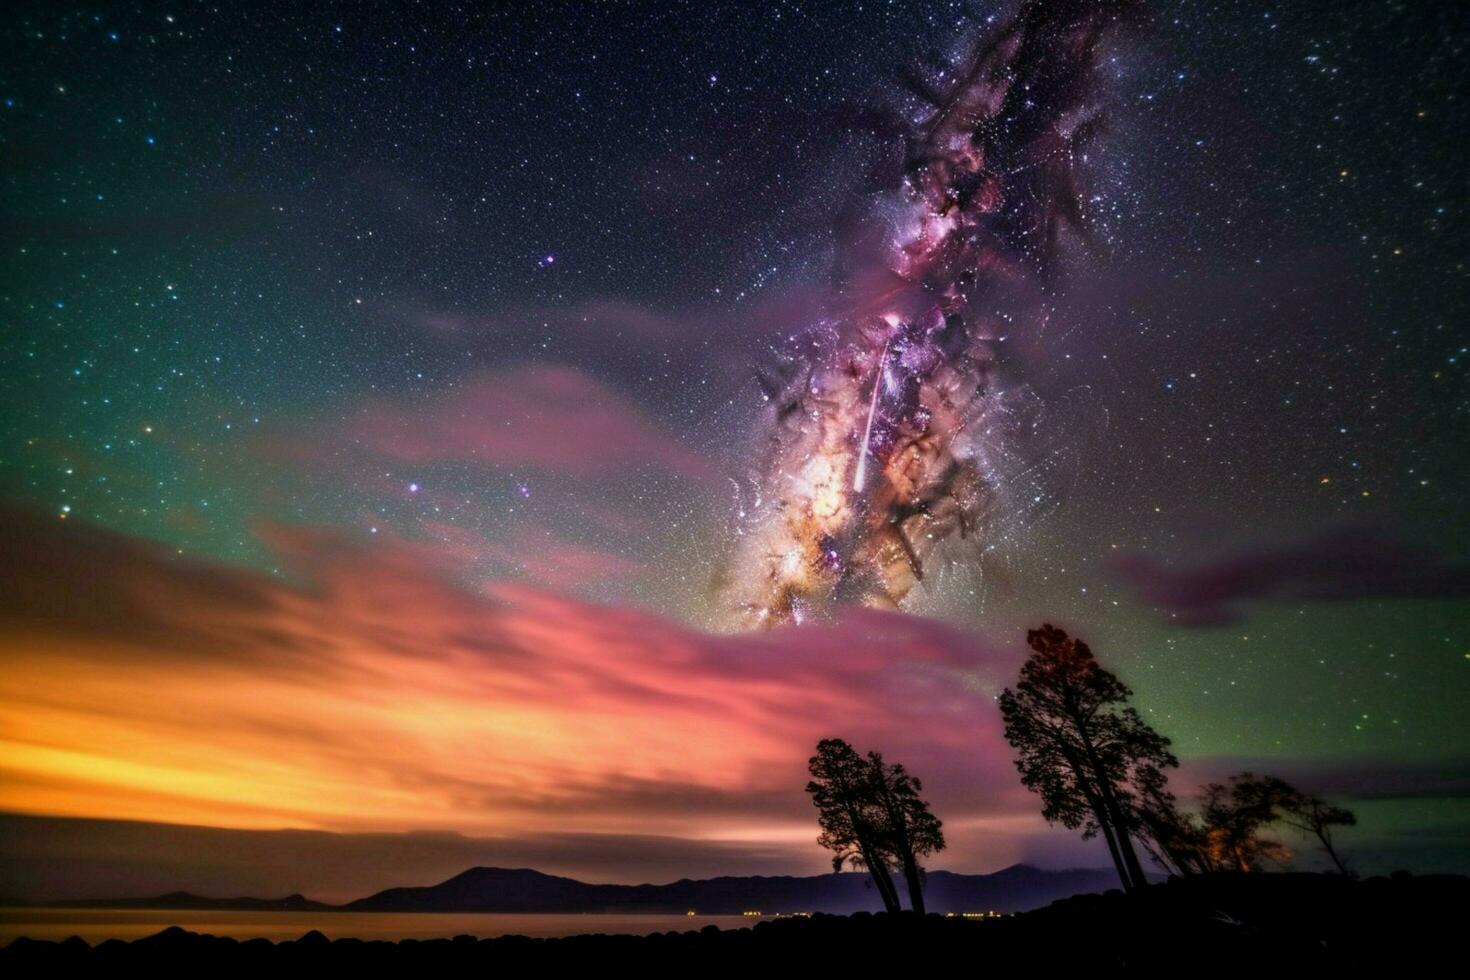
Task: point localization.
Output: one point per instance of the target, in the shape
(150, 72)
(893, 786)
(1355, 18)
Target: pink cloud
(537, 555)
(368, 690)
(551, 418)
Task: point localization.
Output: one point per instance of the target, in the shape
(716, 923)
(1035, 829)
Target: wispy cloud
(551, 418)
(369, 689)
(1334, 565)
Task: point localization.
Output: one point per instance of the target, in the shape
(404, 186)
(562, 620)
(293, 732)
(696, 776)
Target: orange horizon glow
(384, 696)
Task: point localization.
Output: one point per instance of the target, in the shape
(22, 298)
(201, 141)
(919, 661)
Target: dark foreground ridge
(1257, 922)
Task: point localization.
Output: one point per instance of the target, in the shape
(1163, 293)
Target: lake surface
(95, 925)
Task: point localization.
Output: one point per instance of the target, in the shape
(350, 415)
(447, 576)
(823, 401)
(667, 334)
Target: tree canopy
(1089, 755)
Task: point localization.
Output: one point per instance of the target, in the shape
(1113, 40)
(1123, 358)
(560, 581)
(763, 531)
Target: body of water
(95, 925)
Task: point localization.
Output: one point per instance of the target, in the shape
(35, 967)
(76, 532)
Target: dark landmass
(523, 890)
(1014, 889)
(1261, 923)
(184, 901)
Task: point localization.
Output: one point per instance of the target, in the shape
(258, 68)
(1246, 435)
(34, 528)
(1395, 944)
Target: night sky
(377, 386)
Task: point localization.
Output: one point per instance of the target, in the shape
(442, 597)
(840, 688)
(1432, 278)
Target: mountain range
(187, 901)
(522, 890)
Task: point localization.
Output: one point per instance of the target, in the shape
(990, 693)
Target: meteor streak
(862, 465)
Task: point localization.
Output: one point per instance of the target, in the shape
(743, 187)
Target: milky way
(888, 421)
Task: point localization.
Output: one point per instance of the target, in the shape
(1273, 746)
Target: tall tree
(909, 830)
(842, 789)
(1081, 747)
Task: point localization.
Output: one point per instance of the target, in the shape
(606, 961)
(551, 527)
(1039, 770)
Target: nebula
(885, 421)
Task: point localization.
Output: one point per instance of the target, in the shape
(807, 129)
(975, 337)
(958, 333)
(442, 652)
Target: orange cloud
(371, 690)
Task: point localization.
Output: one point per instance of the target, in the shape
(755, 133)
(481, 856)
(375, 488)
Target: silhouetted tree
(1258, 801)
(1227, 831)
(1173, 838)
(1315, 816)
(1234, 818)
(909, 831)
(1081, 747)
(849, 816)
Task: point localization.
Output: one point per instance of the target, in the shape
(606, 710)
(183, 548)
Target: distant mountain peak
(484, 874)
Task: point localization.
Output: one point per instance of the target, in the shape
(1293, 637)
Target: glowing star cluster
(885, 419)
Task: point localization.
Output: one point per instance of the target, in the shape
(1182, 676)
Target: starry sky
(374, 380)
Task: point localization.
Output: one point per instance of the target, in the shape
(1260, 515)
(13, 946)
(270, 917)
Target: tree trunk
(878, 868)
(1105, 823)
(872, 855)
(1121, 824)
(1326, 840)
(882, 880)
(910, 863)
(1088, 785)
(904, 845)
(916, 886)
(1107, 832)
(1184, 862)
(1125, 843)
(887, 887)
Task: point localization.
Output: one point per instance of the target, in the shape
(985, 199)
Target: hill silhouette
(188, 901)
(524, 890)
